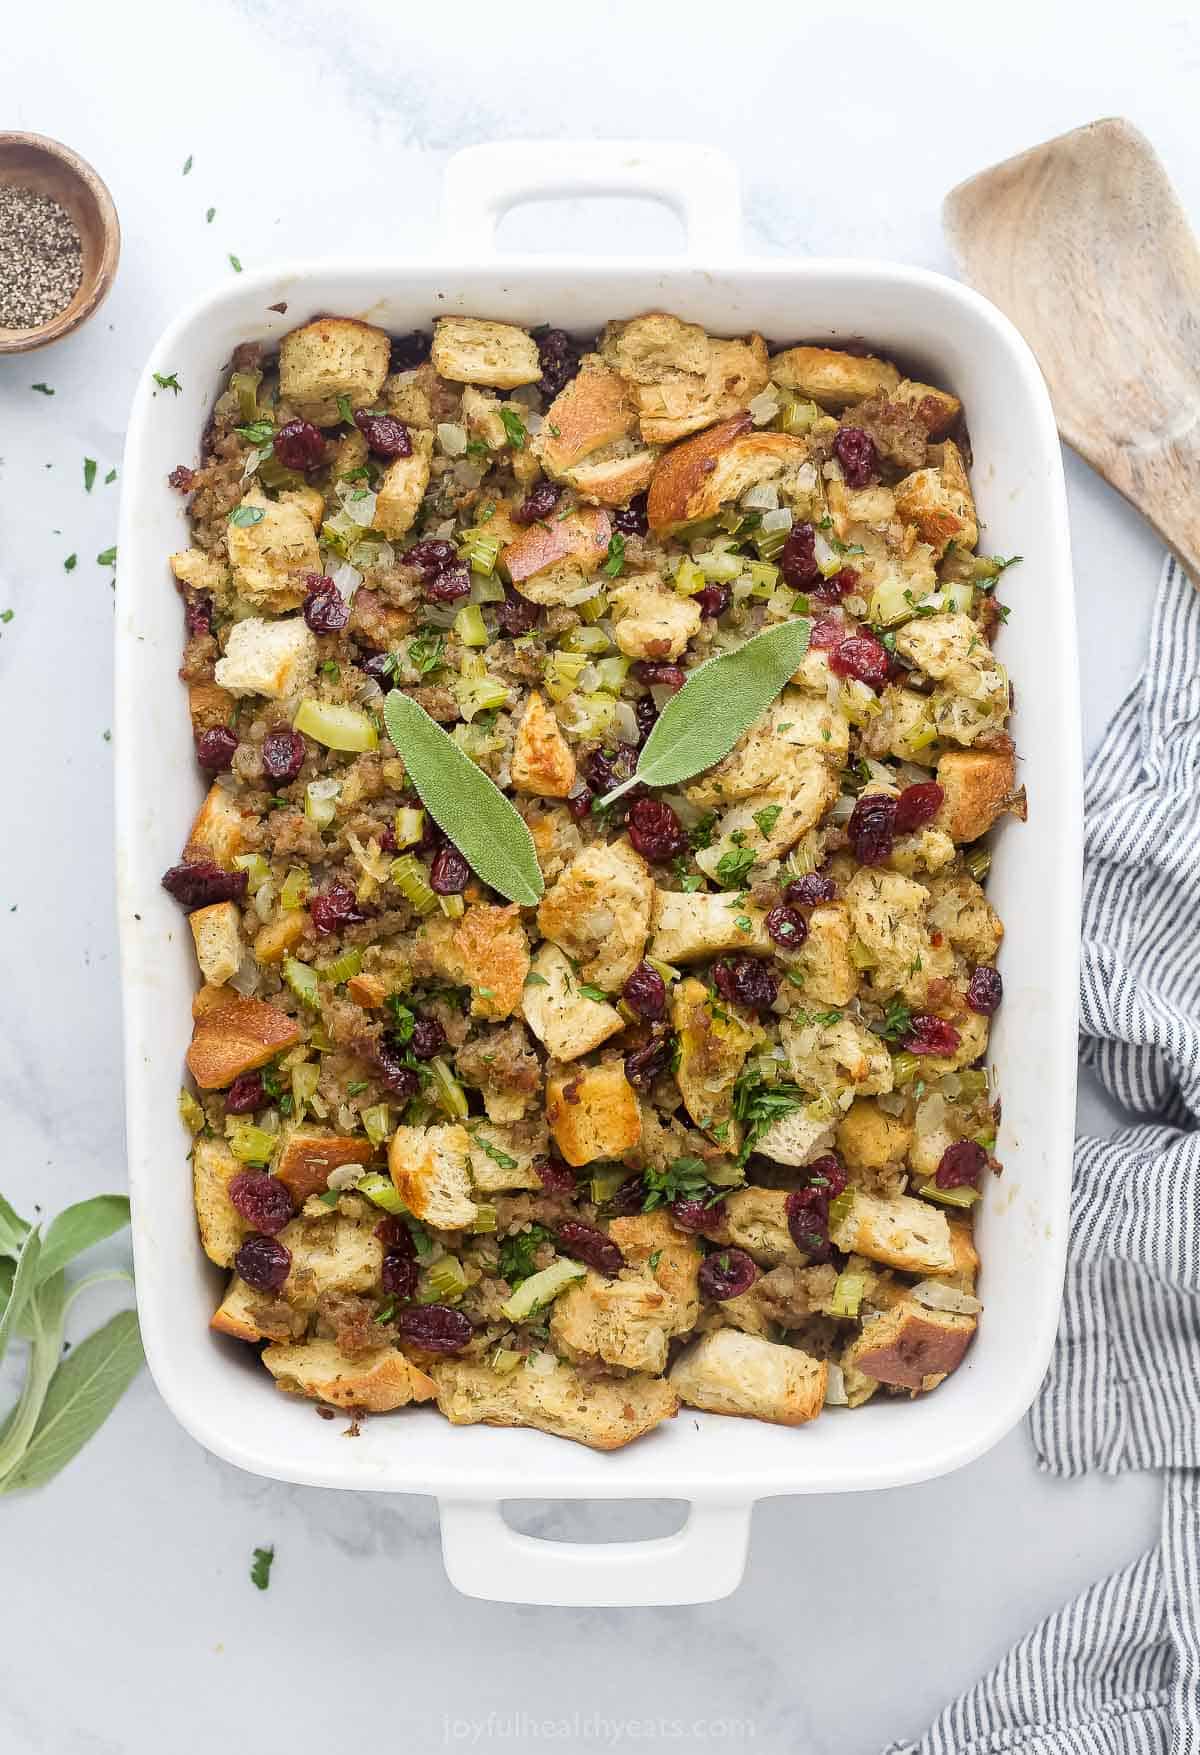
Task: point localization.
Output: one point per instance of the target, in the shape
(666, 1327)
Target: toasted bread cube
(411, 395)
(503, 1154)
(468, 350)
(202, 572)
(911, 1347)
(307, 499)
(543, 763)
(431, 1168)
(962, 913)
(695, 479)
(735, 373)
(377, 1381)
(551, 563)
(939, 502)
(222, 1228)
(209, 706)
(899, 1231)
(795, 1139)
(331, 1252)
(599, 912)
(308, 1156)
(402, 489)
(235, 1038)
(713, 1045)
(614, 479)
(963, 1274)
(832, 1057)
(593, 1113)
(654, 622)
(733, 1373)
(823, 965)
(671, 1257)
(888, 915)
(623, 1321)
(773, 820)
(367, 991)
(594, 409)
(603, 1412)
(656, 348)
(980, 785)
(275, 659)
(949, 649)
(248, 1315)
(684, 927)
(486, 950)
(794, 727)
(832, 378)
(568, 1023)
(755, 1220)
(271, 557)
(937, 410)
(218, 831)
(870, 1139)
(332, 357)
(273, 941)
(217, 931)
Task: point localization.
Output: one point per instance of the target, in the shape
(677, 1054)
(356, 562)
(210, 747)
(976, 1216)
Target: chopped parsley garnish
(514, 428)
(486, 511)
(210, 215)
(596, 993)
(89, 474)
(1003, 562)
(44, 388)
(759, 1105)
(684, 1179)
(616, 555)
(170, 382)
(187, 165)
(345, 412)
(242, 516)
(70, 564)
(386, 1311)
(517, 1254)
(700, 834)
(6, 615)
(496, 1155)
(897, 1021)
(425, 651)
(824, 1019)
(332, 669)
(533, 979)
(235, 264)
(264, 1558)
(734, 867)
(654, 1261)
(110, 478)
(767, 817)
(107, 557)
(259, 432)
(403, 1019)
(352, 1090)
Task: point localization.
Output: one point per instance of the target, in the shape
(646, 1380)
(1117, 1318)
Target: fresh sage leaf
(719, 701)
(83, 1392)
(78, 1227)
(464, 803)
(42, 1320)
(22, 1289)
(13, 1230)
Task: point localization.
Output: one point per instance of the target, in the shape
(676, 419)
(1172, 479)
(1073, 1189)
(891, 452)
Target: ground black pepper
(41, 258)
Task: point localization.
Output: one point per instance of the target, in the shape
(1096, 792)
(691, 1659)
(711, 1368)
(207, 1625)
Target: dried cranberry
(662, 676)
(726, 1273)
(197, 612)
(828, 631)
(516, 615)
(696, 1215)
(559, 360)
(449, 586)
(985, 990)
(449, 874)
(930, 1035)
(263, 1262)
(645, 992)
(246, 1094)
(645, 1063)
(537, 504)
(399, 1273)
(855, 451)
(918, 805)
(713, 601)
(788, 927)
(646, 714)
(428, 1038)
(629, 1198)
(864, 658)
(585, 1243)
(631, 520)
(283, 754)
(385, 435)
(826, 1175)
(395, 1235)
(961, 1166)
(798, 560)
(411, 350)
(402, 1081)
(810, 890)
(430, 558)
(181, 477)
(214, 749)
(655, 831)
(807, 1220)
(609, 767)
(200, 882)
(746, 980)
(380, 667)
(325, 609)
(872, 827)
(299, 445)
(579, 804)
(334, 907)
(263, 1201)
(555, 1176)
(434, 1327)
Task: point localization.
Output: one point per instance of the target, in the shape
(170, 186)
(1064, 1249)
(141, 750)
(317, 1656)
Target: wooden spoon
(1083, 243)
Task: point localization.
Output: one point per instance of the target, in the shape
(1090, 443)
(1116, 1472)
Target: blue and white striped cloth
(1118, 1669)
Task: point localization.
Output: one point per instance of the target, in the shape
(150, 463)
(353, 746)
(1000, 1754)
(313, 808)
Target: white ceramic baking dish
(721, 1466)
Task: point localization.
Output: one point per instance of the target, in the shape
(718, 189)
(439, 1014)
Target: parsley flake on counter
(235, 264)
(70, 564)
(187, 164)
(260, 1567)
(110, 477)
(107, 557)
(89, 474)
(170, 382)
(210, 215)
(44, 388)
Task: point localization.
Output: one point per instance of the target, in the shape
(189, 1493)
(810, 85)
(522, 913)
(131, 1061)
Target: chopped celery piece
(542, 1288)
(470, 626)
(245, 387)
(444, 1283)
(562, 671)
(409, 826)
(668, 971)
(797, 416)
(841, 1206)
(273, 474)
(594, 715)
(479, 694)
(973, 1082)
(689, 578)
(409, 877)
(446, 1091)
(605, 1183)
(320, 801)
(584, 639)
(302, 980)
(343, 968)
(377, 1120)
(250, 1144)
(764, 578)
(191, 1112)
(847, 1294)
(294, 893)
(718, 564)
(453, 907)
(335, 726)
(905, 1067)
(305, 1078)
(593, 608)
(479, 551)
(955, 595)
(486, 590)
(380, 1190)
(978, 863)
(860, 956)
(318, 1038)
(948, 1197)
(256, 869)
(504, 1360)
(726, 1173)
(769, 543)
(611, 674)
(891, 601)
(986, 1139)
(485, 1218)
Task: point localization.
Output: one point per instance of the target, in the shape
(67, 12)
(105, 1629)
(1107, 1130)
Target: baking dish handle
(698, 183)
(703, 1561)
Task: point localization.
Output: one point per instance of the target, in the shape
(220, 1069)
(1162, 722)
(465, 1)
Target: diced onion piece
(835, 1387)
(936, 1295)
(345, 1176)
(335, 726)
(452, 438)
(763, 496)
(541, 1364)
(626, 723)
(320, 801)
(347, 579)
(778, 520)
(247, 977)
(763, 408)
(377, 1120)
(379, 1190)
(825, 555)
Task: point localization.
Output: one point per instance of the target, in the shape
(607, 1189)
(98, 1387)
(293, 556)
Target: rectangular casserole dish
(721, 1466)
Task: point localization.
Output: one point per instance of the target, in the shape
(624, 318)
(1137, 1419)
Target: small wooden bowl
(31, 161)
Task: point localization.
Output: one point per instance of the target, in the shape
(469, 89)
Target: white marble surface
(131, 1623)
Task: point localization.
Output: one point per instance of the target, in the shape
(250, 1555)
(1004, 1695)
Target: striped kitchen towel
(1118, 1669)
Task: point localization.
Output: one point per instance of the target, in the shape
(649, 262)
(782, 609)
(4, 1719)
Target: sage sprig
(63, 1402)
(719, 701)
(484, 826)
